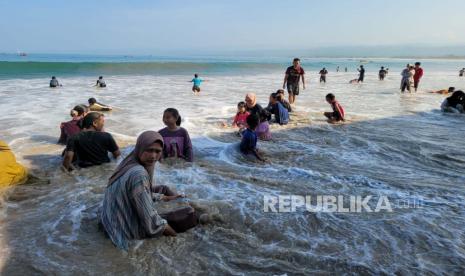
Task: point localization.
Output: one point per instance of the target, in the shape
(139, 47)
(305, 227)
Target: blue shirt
(249, 141)
(197, 81)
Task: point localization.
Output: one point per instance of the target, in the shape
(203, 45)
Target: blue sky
(152, 27)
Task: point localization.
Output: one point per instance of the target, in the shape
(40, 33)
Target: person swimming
(444, 91)
(101, 82)
(96, 106)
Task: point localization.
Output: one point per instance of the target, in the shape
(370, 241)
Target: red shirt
(418, 74)
(337, 108)
(241, 118)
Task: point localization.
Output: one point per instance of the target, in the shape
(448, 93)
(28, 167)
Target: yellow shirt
(11, 172)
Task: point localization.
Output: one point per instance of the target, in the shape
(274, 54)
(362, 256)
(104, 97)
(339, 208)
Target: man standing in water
(382, 73)
(292, 79)
(418, 75)
(361, 75)
(323, 73)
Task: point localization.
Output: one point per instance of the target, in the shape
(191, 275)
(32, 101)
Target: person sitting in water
(128, 210)
(454, 103)
(91, 145)
(281, 115)
(54, 82)
(240, 120)
(70, 128)
(263, 129)
(338, 112)
(197, 81)
(444, 91)
(249, 138)
(96, 106)
(11, 172)
(382, 73)
(251, 104)
(177, 142)
(282, 100)
(101, 82)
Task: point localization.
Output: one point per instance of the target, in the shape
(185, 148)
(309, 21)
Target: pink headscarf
(145, 140)
(253, 98)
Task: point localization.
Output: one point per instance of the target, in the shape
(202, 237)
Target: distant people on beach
(407, 78)
(455, 103)
(361, 74)
(323, 73)
(72, 127)
(382, 73)
(96, 106)
(90, 146)
(251, 104)
(418, 75)
(292, 79)
(444, 91)
(248, 143)
(100, 82)
(338, 112)
(462, 72)
(54, 82)
(281, 114)
(196, 84)
(263, 128)
(345, 69)
(129, 211)
(337, 69)
(177, 142)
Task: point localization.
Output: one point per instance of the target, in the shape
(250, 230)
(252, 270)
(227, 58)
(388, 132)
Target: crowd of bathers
(128, 210)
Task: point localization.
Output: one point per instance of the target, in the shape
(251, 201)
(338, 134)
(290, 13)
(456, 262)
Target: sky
(203, 26)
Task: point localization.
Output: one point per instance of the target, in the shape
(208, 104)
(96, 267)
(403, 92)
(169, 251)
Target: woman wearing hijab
(251, 104)
(454, 103)
(128, 210)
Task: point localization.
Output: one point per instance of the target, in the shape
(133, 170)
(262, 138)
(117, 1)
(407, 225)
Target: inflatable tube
(11, 172)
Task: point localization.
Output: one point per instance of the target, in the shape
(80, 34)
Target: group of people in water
(128, 210)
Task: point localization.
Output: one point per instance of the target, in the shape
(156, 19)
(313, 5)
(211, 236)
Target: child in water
(176, 139)
(240, 120)
(96, 106)
(249, 138)
(263, 129)
(338, 112)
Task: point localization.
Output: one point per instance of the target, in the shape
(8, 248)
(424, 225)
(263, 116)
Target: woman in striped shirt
(128, 211)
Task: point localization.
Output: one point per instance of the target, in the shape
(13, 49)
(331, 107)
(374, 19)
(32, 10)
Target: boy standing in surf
(292, 79)
(418, 75)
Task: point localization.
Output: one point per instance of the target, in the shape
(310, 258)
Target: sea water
(395, 145)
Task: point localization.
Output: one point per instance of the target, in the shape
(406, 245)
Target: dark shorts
(293, 88)
(322, 78)
(360, 79)
(334, 116)
(416, 83)
(196, 88)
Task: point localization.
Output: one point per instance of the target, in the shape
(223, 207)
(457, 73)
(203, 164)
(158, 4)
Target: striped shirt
(128, 210)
